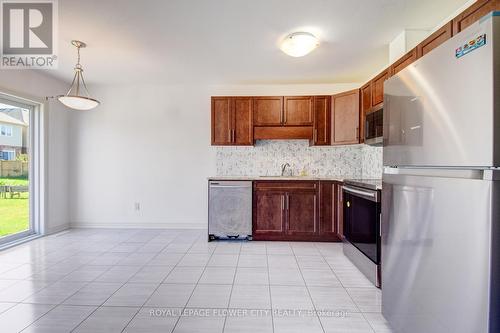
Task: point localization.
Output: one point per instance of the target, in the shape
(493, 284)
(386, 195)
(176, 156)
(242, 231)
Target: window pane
(14, 170)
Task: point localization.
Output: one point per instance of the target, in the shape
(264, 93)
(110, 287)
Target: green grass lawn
(14, 213)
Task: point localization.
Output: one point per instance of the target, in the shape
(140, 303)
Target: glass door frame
(36, 175)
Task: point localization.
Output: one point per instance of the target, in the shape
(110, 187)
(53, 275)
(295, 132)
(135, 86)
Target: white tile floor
(101, 280)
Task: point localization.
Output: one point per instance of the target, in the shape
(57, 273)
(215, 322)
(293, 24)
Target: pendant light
(73, 98)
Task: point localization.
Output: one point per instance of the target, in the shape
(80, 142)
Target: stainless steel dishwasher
(229, 209)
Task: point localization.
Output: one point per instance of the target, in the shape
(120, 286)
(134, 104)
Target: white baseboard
(54, 230)
(178, 225)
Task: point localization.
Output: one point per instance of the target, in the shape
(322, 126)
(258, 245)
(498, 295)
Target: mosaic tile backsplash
(266, 157)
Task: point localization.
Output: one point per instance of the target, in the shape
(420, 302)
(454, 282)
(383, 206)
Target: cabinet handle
(357, 133)
(234, 135)
(287, 202)
(315, 135)
(282, 202)
(284, 117)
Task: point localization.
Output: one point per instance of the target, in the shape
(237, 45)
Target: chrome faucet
(283, 169)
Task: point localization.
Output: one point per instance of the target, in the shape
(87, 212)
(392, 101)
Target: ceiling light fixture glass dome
(73, 99)
(298, 44)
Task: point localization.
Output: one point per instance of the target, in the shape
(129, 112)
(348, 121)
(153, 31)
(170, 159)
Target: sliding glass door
(16, 171)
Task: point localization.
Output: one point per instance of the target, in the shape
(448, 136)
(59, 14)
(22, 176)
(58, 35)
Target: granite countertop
(332, 178)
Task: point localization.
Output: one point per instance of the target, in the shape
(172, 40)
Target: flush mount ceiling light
(298, 44)
(73, 98)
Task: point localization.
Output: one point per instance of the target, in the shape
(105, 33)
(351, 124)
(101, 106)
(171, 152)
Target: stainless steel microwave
(374, 127)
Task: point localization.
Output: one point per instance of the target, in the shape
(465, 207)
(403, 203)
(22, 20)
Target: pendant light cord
(78, 76)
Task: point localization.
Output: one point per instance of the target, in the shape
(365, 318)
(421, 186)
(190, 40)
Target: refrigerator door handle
(481, 174)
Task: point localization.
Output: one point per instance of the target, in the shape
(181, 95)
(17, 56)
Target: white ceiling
(235, 41)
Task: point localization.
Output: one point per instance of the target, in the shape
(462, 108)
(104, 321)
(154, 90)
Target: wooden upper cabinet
(322, 121)
(268, 111)
(232, 121)
(345, 118)
(221, 121)
(298, 111)
(434, 40)
(477, 10)
(242, 121)
(366, 105)
(378, 88)
(403, 62)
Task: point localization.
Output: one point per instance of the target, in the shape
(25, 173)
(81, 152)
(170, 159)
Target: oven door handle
(373, 196)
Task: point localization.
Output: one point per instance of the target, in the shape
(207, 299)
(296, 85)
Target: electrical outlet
(137, 206)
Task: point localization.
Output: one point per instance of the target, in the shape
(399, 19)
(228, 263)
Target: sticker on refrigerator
(470, 46)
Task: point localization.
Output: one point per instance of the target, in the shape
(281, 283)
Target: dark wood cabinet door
(378, 88)
(327, 208)
(434, 40)
(366, 105)
(268, 111)
(298, 111)
(403, 62)
(340, 212)
(345, 118)
(221, 121)
(477, 10)
(301, 209)
(242, 121)
(268, 213)
(322, 121)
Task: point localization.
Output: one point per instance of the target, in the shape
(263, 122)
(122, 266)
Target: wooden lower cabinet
(328, 208)
(269, 213)
(294, 210)
(339, 202)
(301, 213)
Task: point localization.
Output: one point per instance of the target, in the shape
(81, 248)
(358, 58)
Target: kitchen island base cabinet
(290, 211)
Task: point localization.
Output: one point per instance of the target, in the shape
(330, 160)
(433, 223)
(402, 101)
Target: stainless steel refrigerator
(441, 187)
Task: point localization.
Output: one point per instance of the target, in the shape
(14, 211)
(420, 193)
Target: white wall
(151, 145)
(39, 85)
(404, 42)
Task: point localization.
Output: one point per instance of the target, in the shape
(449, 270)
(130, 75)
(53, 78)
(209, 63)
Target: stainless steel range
(362, 204)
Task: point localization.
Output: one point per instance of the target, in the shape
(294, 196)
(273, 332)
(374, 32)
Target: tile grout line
(307, 288)
(269, 287)
(147, 299)
(99, 306)
(56, 305)
(232, 287)
(347, 292)
(196, 284)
